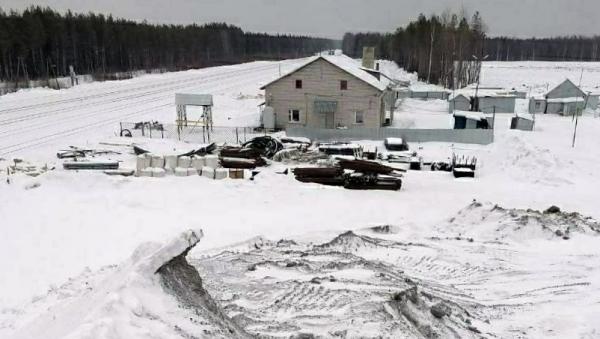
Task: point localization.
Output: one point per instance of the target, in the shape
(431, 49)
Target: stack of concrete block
(150, 165)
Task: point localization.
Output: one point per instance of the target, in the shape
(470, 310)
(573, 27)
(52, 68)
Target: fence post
(237, 138)
(203, 135)
(143, 134)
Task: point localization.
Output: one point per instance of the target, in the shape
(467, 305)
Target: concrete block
(198, 162)
(146, 172)
(171, 161)
(211, 161)
(192, 171)
(208, 172)
(184, 162)
(158, 172)
(221, 173)
(157, 161)
(181, 172)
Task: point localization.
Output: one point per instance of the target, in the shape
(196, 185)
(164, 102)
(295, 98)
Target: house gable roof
(342, 62)
(567, 89)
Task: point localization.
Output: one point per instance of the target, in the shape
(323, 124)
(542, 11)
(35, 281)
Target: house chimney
(376, 66)
(368, 59)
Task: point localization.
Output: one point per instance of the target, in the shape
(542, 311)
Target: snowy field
(538, 77)
(61, 231)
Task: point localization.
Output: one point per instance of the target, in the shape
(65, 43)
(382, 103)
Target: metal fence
(192, 133)
(239, 135)
(463, 136)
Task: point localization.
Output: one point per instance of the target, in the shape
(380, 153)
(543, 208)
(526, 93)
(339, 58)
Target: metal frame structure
(182, 100)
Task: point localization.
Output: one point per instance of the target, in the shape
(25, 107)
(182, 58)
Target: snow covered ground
(538, 77)
(64, 225)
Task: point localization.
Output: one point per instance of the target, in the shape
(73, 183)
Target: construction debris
(91, 165)
(365, 166)
(121, 172)
(242, 163)
(341, 148)
(239, 152)
(370, 181)
(21, 166)
(295, 141)
(75, 152)
(353, 174)
(463, 166)
(317, 172)
(463, 173)
(266, 146)
(395, 144)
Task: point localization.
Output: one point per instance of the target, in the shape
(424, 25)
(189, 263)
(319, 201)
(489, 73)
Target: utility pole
(494, 123)
(430, 53)
(577, 119)
(476, 106)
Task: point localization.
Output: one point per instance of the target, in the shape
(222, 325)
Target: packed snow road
(40, 121)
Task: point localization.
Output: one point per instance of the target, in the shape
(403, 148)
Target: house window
(298, 83)
(294, 115)
(343, 85)
(359, 117)
(538, 105)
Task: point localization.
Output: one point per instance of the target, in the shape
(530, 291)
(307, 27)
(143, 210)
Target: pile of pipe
(353, 174)
(241, 157)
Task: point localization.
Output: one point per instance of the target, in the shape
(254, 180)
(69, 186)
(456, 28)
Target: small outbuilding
(565, 99)
(496, 103)
(428, 92)
(472, 120)
(523, 122)
(459, 102)
(537, 105)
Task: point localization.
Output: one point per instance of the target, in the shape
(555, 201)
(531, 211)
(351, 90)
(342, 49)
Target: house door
(326, 120)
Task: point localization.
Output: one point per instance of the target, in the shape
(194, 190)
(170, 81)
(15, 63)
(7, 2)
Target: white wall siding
(321, 80)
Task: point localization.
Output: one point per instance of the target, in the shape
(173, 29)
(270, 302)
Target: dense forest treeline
(454, 43)
(440, 49)
(572, 48)
(40, 43)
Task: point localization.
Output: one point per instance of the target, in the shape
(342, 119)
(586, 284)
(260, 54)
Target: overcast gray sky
(331, 18)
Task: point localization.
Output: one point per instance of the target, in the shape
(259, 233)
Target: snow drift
(155, 293)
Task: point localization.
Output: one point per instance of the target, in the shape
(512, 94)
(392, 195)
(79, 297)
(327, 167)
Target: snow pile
(485, 221)
(129, 301)
(525, 161)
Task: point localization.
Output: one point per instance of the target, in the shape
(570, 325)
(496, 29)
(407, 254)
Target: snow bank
(136, 299)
